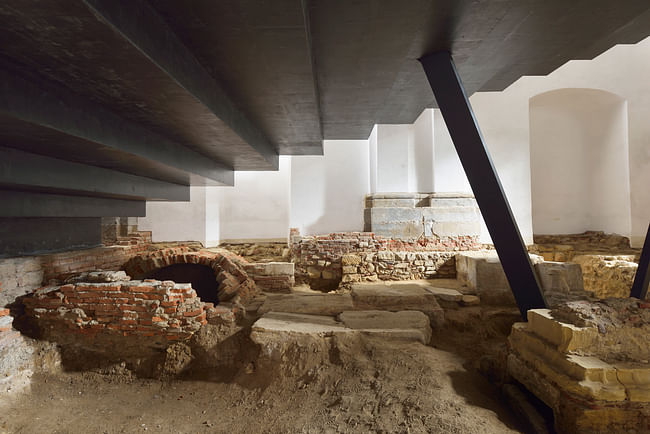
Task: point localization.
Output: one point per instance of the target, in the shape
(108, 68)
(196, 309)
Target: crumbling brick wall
(228, 268)
(160, 311)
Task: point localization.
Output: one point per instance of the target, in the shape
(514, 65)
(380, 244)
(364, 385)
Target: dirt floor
(369, 385)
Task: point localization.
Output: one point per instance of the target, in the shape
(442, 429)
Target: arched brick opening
(233, 283)
(201, 277)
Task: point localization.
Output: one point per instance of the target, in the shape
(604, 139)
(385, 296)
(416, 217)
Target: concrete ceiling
(186, 92)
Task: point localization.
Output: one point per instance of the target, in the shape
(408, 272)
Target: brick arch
(229, 269)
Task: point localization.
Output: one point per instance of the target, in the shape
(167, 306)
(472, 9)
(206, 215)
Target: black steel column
(642, 277)
(474, 156)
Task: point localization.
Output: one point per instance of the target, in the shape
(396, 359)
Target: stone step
(392, 297)
(311, 304)
(398, 296)
(279, 329)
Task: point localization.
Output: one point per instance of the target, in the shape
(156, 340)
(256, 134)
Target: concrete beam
(33, 236)
(23, 169)
(28, 204)
(54, 107)
(141, 25)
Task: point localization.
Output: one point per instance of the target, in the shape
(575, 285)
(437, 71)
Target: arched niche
(580, 176)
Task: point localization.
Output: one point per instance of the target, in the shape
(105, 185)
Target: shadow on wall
(580, 175)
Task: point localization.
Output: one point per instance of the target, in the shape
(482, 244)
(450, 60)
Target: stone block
(398, 296)
(482, 272)
(350, 259)
(560, 277)
(313, 304)
(607, 276)
(411, 324)
(279, 269)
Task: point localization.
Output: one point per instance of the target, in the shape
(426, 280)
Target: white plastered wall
(579, 162)
(177, 221)
(256, 208)
(504, 121)
(328, 191)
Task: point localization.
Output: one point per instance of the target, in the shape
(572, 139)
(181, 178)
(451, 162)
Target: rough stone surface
(272, 276)
(99, 277)
(607, 275)
(410, 322)
(589, 362)
(398, 297)
(369, 257)
(276, 332)
(446, 294)
(314, 304)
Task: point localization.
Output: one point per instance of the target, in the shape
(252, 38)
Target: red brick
(193, 312)
(137, 289)
(170, 309)
(150, 296)
(168, 303)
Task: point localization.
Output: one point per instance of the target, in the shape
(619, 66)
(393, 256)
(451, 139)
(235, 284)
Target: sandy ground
(370, 385)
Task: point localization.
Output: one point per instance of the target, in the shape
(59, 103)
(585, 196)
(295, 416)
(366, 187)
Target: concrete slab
(313, 304)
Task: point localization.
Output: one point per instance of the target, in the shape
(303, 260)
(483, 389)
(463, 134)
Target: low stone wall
(272, 276)
(608, 276)
(588, 361)
(318, 258)
(390, 265)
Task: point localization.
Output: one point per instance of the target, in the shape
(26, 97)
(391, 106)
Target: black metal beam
(57, 108)
(34, 236)
(29, 204)
(26, 170)
(642, 277)
(141, 25)
(482, 176)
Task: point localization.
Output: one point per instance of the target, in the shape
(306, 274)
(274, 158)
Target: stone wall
(272, 276)
(607, 275)
(318, 259)
(588, 361)
(389, 265)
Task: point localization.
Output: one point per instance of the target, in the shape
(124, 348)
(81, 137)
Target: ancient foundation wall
(159, 311)
(319, 259)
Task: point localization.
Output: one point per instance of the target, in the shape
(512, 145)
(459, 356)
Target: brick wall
(21, 275)
(318, 258)
(229, 269)
(160, 311)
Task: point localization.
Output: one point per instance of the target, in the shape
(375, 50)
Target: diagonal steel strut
(642, 277)
(482, 176)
